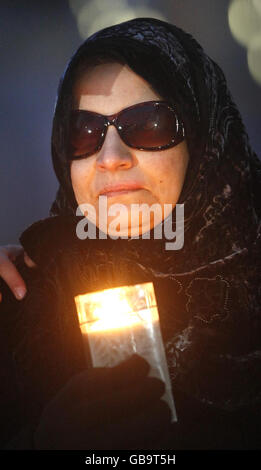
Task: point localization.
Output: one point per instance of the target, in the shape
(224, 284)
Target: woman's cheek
(80, 177)
(166, 177)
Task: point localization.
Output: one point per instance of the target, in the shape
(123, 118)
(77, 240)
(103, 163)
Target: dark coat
(41, 345)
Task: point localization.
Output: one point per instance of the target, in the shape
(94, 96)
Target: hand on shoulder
(9, 272)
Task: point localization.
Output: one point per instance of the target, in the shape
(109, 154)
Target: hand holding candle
(95, 410)
(119, 322)
(119, 404)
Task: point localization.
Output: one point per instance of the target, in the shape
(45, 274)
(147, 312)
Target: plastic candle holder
(116, 323)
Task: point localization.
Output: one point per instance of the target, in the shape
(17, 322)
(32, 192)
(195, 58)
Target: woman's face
(159, 176)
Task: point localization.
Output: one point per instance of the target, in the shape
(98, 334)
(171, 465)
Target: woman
(208, 291)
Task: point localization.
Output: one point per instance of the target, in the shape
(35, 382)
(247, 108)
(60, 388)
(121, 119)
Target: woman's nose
(114, 154)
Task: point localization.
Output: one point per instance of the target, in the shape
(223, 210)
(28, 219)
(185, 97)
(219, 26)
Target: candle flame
(120, 307)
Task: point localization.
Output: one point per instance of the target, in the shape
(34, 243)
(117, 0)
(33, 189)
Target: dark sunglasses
(151, 126)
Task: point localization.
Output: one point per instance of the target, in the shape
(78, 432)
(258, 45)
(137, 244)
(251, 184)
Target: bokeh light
(76, 5)
(94, 15)
(254, 57)
(257, 5)
(244, 18)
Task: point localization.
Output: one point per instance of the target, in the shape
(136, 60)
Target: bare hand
(8, 271)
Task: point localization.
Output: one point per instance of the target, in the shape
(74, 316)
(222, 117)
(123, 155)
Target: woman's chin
(130, 231)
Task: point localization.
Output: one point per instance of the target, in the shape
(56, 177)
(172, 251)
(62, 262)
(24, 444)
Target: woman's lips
(118, 189)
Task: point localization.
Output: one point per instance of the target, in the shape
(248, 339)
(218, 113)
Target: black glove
(106, 408)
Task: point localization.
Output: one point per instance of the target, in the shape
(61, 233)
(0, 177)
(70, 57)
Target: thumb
(11, 276)
(126, 373)
(28, 261)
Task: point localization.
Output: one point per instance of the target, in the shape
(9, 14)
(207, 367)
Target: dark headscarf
(217, 273)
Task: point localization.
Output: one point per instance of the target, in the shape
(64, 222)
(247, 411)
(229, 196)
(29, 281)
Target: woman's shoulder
(43, 241)
(49, 235)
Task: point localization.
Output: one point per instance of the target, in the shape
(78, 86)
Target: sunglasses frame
(112, 120)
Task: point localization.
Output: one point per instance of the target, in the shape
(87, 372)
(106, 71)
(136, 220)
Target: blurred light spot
(98, 14)
(244, 20)
(244, 17)
(257, 5)
(254, 57)
(76, 5)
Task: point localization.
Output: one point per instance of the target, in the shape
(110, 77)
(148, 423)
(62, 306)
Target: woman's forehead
(108, 88)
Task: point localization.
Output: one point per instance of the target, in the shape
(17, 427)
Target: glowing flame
(120, 307)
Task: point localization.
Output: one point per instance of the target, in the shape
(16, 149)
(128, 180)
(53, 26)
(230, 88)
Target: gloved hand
(106, 408)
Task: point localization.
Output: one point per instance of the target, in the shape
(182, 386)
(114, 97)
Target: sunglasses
(151, 126)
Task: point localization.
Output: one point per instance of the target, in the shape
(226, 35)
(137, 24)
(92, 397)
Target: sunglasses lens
(150, 126)
(86, 132)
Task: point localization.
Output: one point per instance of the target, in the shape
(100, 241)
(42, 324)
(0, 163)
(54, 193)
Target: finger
(92, 383)
(28, 261)
(12, 277)
(103, 409)
(126, 373)
(133, 399)
(12, 251)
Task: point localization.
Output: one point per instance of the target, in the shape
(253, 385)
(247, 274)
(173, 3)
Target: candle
(116, 323)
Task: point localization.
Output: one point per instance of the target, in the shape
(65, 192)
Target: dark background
(37, 40)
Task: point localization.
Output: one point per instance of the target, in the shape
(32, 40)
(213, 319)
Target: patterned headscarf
(216, 277)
